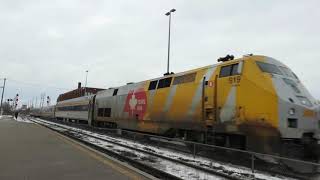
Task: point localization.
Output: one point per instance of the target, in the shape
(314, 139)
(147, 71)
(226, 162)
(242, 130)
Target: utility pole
(169, 14)
(85, 85)
(43, 97)
(41, 100)
(3, 87)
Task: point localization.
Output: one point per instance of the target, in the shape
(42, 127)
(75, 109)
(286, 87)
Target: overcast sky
(46, 46)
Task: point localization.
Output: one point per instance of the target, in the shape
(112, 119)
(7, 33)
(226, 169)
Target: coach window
(107, 112)
(153, 85)
(85, 108)
(115, 92)
(100, 112)
(229, 70)
(163, 83)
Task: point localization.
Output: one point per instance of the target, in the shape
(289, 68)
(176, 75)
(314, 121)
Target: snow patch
(237, 171)
(5, 116)
(25, 120)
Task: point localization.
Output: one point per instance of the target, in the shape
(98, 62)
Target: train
(254, 103)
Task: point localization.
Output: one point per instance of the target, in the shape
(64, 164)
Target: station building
(80, 91)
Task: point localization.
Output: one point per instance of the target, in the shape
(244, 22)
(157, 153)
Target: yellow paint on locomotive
(256, 96)
(181, 102)
(255, 99)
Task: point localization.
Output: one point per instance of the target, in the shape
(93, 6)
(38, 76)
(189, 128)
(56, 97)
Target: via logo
(136, 103)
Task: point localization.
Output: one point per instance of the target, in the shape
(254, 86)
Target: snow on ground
(170, 167)
(25, 120)
(19, 119)
(5, 116)
(199, 161)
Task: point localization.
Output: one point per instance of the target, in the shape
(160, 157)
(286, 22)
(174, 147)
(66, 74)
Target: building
(24, 107)
(80, 91)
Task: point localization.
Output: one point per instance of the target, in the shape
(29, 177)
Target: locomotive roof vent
(227, 58)
(167, 74)
(129, 83)
(247, 55)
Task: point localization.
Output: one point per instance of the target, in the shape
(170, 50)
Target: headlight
(292, 111)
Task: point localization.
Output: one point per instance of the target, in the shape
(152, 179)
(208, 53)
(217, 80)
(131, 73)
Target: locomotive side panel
(258, 107)
(172, 105)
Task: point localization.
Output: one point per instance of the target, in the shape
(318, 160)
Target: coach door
(91, 110)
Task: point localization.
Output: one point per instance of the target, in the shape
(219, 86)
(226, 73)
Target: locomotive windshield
(268, 68)
(273, 69)
(288, 72)
(292, 84)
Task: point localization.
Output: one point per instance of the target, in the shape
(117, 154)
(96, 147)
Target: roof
(78, 93)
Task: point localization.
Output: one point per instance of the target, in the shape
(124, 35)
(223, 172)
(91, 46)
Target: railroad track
(158, 165)
(274, 172)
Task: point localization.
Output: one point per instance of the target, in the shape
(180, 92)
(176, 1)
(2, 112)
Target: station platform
(29, 152)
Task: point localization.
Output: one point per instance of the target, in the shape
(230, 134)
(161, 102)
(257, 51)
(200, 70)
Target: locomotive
(254, 102)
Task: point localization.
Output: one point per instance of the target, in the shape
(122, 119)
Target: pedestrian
(16, 114)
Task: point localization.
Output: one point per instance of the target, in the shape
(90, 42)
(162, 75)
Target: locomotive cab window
(234, 70)
(229, 70)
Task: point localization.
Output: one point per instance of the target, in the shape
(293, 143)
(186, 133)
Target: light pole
(169, 14)
(3, 87)
(85, 85)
